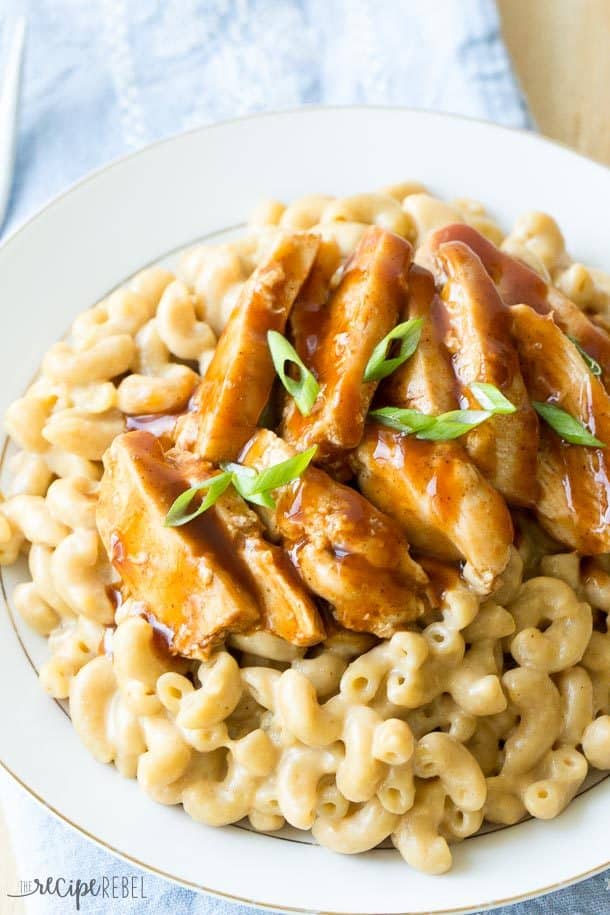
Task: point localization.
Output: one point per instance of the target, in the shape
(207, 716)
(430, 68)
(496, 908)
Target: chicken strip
(447, 509)
(310, 309)
(478, 336)
(188, 578)
(287, 608)
(347, 551)
(574, 502)
(518, 284)
(434, 491)
(362, 310)
(426, 381)
(229, 400)
(212, 576)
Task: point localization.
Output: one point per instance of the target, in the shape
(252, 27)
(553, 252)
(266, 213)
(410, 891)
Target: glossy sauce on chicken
(479, 339)
(232, 395)
(575, 501)
(344, 550)
(205, 535)
(213, 573)
(348, 552)
(336, 338)
(426, 381)
(518, 284)
(433, 489)
(310, 314)
(434, 464)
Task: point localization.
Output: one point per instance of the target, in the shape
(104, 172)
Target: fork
(10, 82)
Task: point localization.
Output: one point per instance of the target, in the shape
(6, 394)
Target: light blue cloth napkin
(109, 76)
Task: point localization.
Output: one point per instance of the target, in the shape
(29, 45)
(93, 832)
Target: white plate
(136, 211)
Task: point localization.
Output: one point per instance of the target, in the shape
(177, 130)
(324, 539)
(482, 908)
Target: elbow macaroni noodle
(491, 709)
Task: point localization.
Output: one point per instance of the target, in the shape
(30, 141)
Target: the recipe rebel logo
(117, 887)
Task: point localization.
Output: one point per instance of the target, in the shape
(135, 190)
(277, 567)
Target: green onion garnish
(244, 479)
(282, 473)
(378, 366)
(566, 426)
(491, 398)
(303, 390)
(593, 366)
(441, 428)
(407, 421)
(450, 425)
(215, 486)
(252, 486)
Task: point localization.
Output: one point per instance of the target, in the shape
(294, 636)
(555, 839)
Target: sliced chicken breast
(230, 399)
(347, 551)
(447, 509)
(287, 608)
(310, 310)
(574, 501)
(478, 336)
(435, 492)
(189, 578)
(212, 576)
(362, 310)
(518, 284)
(426, 381)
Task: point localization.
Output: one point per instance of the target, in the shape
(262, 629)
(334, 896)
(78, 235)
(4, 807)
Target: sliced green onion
(252, 486)
(239, 470)
(303, 390)
(284, 472)
(216, 485)
(244, 480)
(407, 421)
(566, 426)
(257, 498)
(441, 428)
(243, 477)
(452, 425)
(491, 398)
(378, 366)
(593, 366)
